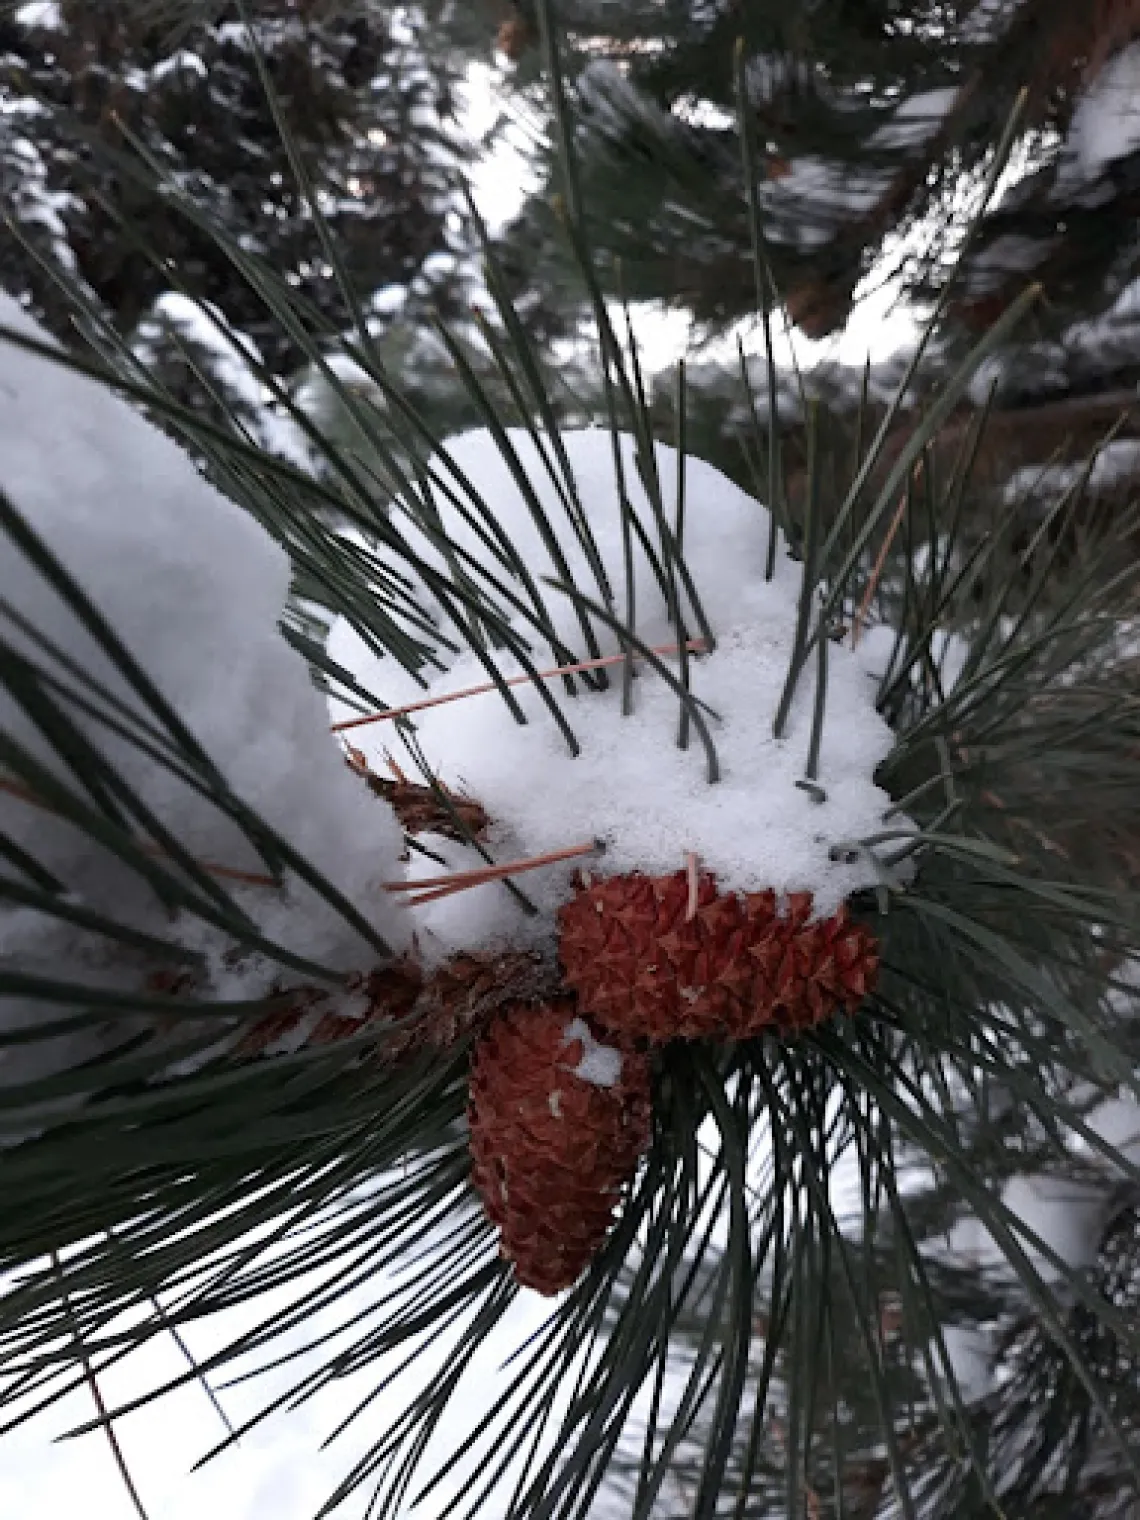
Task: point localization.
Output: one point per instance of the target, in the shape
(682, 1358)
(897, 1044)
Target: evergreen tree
(865, 117)
(90, 86)
(793, 1111)
(871, 126)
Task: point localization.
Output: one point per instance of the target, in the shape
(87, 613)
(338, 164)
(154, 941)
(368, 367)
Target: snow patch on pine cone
(601, 1065)
(648, 801)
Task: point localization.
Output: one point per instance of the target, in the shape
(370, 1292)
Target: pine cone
(552, 1149)
(466, 992)
(420, 808)
(836, 966)
(644, 969)
(435, 1011)
(421, 811)
(312, 1016)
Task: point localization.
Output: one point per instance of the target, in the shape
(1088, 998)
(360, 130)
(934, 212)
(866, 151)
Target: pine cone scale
(737, 966)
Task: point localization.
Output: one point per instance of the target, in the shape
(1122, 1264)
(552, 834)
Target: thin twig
(97, 1395)
(231, 873)
(692, 869)
(877, 572)
(356, 760)
(695, 646)
(459, 881)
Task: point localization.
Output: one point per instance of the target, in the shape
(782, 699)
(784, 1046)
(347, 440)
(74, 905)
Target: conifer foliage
(869, 119)
(574, 652)
(368, 107)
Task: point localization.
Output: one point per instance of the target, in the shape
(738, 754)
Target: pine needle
(695, 646)
(97, 1396)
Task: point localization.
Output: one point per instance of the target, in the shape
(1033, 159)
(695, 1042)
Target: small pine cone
(434, 1011)
(466, 992)
(421, 809)
(557, 1126)
(644, 965)
(311, 1016)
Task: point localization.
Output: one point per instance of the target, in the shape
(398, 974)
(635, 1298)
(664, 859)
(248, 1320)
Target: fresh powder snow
(647, 803)
(1106, 122)
(194, 588)
(600, 1065)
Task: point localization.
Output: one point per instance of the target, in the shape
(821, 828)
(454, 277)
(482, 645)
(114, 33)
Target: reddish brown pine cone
(837, 965)
(433, 1011)
(551, 1149)
(644, 964)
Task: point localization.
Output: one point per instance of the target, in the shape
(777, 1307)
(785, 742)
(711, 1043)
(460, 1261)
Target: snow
(1040, 480)
(483, 916)
(232, 359)
(194, 588)
(42, 13)
(600, 1065)
(816, 197)
(970, 1353)
(1106, 123)
(916, 119)
(35, 203)
(204, 325)
(388, 300)
(646, 802)
(381, 674)
(1115, 464)
(181, 62)
(1067, 1215)
(233, 33)
(1117, 1122)
(1110, 340)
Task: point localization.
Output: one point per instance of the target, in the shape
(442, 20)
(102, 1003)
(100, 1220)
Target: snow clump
(648, 802)
(194, 588)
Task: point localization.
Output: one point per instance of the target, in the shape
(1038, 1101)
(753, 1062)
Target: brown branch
(1095, 410)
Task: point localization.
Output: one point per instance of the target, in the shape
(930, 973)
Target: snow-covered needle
(229, 873)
